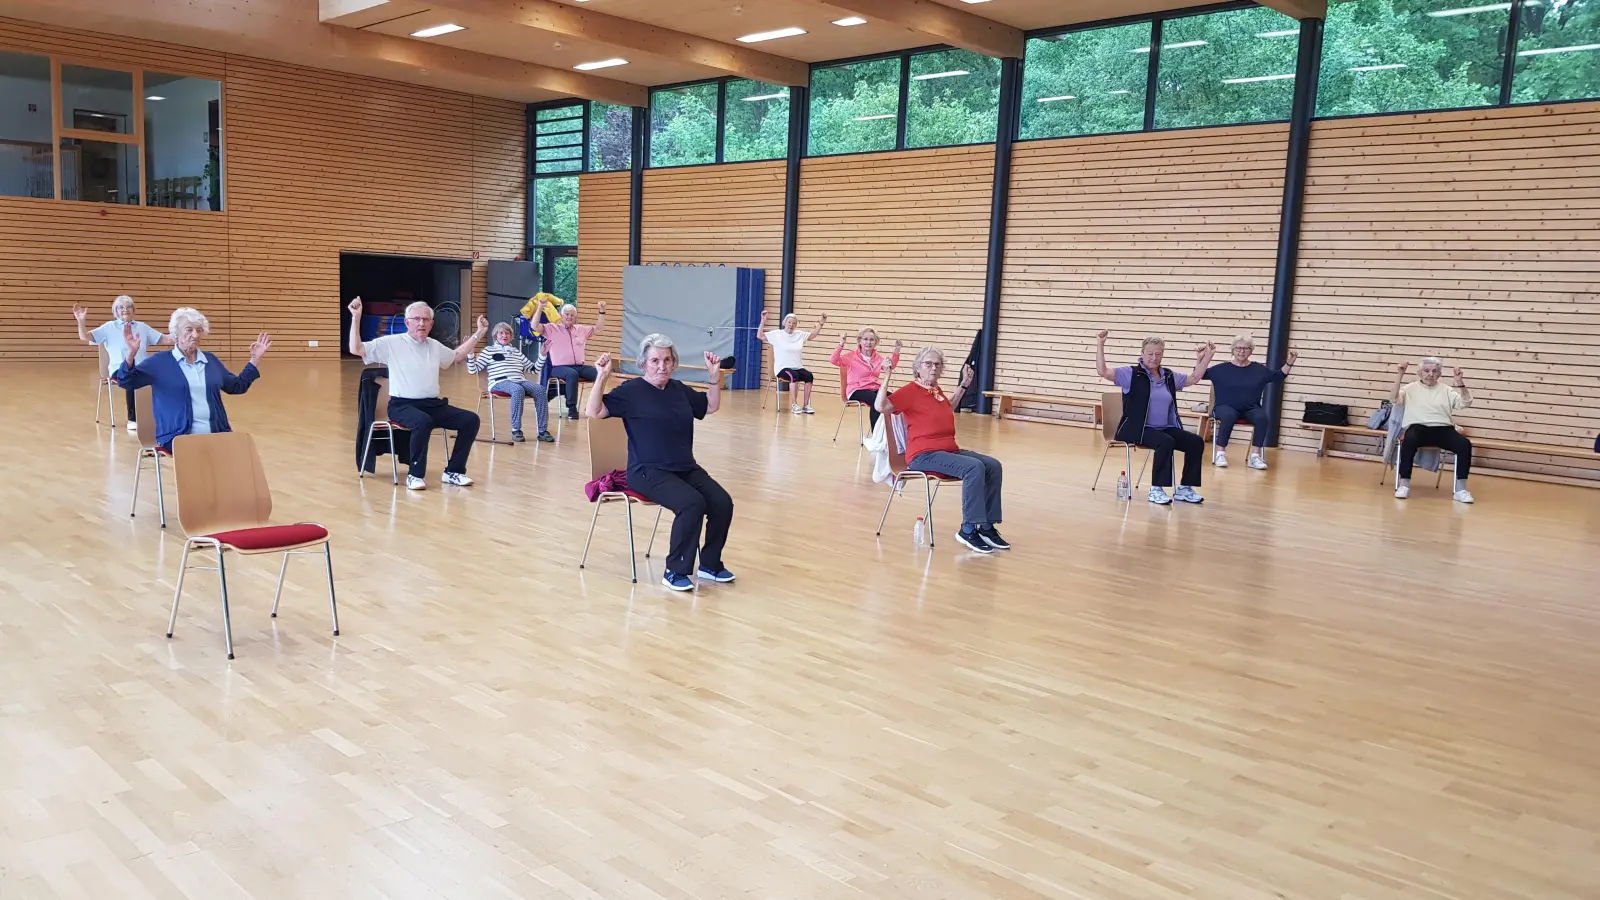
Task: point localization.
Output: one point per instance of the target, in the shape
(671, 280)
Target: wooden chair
(844, 394)
(1110, 418)
(490, 394)
(388, 427)
(608, 452)
(777, 386)
(147, 450)
(104, 385)
(903, 474)
(224, 505)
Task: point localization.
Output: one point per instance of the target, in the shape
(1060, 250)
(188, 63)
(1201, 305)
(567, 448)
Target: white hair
(1243, 340)
(568, 307)
(1433, 360)
(927, 353)
(502, 326)
(657, 342)
(188, 315)
(791, 317)
(1152, 341)
(121, 303)
(418, 305)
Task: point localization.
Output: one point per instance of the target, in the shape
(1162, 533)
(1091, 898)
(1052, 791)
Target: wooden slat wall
(898, 242)
(729, 214)
(1474, 236)
(1171, 234)
(314, 163)
(603, 251)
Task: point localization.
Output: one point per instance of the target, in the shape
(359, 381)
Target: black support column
(1307, 66)
(799, 130)
(639, 154)
(999, 203)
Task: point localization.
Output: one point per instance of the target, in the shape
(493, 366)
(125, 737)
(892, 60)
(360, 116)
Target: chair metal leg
(227, 621)
(651, 546)
(278, 592)
(894, 488)
(366, 452)
(842, 411)
(1096, 484)
(161, 497)
(138, 469)
(394, 459)
(333, 604)
(99, 391)
(1142, 466)
(633, 559)
(590, 539)
(930, 487)
(177, 591)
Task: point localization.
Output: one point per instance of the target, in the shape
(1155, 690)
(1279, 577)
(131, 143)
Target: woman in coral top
(930, 421)
(864, 367)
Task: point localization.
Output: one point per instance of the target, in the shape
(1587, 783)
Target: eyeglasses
(420, 319)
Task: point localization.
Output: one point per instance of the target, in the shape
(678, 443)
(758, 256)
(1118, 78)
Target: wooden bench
(1005, 399)
(1324, 446)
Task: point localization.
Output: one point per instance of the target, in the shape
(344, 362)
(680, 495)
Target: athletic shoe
(1219, 459)
(572, 415)
(808, 410)
(720, 576)
(1463, 496)
(993, 538)
(676, 582)
(133, 427)
(1402, 492)
(456, 478)
(517, 436)
(1187, 494)
(1256, 461)
(1159, 495)
(413, 483)
(795, 410)
(974, 541)
(547, 437)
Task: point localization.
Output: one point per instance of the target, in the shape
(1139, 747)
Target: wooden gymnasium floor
(1302, 689)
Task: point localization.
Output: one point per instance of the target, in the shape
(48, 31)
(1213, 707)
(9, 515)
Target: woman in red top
(930, 420)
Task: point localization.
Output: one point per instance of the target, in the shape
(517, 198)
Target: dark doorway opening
(387, 284)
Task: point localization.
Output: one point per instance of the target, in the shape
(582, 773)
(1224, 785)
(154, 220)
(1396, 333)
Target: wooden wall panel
(729, 214)
(898, 242)
(1474, 236)
(603, 251)
(1171, 234)
(315, 163)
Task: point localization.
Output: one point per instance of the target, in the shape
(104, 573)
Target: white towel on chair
(877, 444)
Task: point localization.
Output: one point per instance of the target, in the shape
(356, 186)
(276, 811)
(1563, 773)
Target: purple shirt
(1161, 413)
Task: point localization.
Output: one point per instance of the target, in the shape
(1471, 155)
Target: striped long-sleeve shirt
(503, 362)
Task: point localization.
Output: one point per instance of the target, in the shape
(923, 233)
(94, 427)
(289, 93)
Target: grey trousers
(980, 481)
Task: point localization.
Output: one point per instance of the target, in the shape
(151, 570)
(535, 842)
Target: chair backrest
(1110, 414)
(108, 364)
(897, 457)
(221, 484)
(844, 390)
(608, 446)
(144, 411)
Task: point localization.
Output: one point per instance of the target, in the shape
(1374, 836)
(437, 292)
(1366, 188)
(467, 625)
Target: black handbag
(1319, 413)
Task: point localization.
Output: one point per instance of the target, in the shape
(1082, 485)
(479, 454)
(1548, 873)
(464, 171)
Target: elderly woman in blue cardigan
(186, 385)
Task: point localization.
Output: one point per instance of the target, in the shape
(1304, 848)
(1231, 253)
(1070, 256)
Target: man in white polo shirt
(414, 361)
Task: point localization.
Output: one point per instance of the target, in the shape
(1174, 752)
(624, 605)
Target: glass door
(559, 272)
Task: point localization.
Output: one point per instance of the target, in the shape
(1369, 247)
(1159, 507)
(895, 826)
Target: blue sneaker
(720, 576)
(676, 582)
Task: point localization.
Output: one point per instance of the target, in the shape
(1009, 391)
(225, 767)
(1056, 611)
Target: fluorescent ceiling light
(155, 98)
(1177, 46)
(778, 96)
(1467, 10)
(953, 73)
(1382, 68)
(601, 64)
(1573, 49)
(437, 30)
(1254, 78)
(760, 36)
(874, 118)
(1287, 32)
(1054, 99)
(1122, 92)
(847, 21)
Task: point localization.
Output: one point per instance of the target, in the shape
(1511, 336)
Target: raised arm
(599, 315)
(714, 383)
(471, 343)
(761, 328)
(130, 375)
(1461, 387)
(1399, 382)
(1289, 363)
(1202, 361)
(881, 402)
(356, 345)
(596, 407)
(962, 386)
(838, 352)
(82, 312)
(1100, 356)
(822, 322)
(238, 384)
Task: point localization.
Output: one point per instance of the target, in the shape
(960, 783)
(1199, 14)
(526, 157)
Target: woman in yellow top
(1428, 422)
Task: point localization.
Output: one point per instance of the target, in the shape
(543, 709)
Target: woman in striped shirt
(506, 365)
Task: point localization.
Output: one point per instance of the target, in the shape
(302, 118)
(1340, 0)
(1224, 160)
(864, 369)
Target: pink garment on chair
(615, 480)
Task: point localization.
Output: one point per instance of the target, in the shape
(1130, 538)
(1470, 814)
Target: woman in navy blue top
(186, 385)
(1240, 385)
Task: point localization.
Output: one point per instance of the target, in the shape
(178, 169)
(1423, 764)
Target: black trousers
(694, 498)
(1445, 437)
(570, 376)
(1229, 416)
(422, 417)
(868, 396)
(132, 416)
(1164, 441)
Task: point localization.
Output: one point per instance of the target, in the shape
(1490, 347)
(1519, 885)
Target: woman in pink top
(863, 368)
(566, 348)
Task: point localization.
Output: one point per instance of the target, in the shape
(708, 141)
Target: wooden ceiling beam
(638, 37)
(955, 27)
(1300, 9)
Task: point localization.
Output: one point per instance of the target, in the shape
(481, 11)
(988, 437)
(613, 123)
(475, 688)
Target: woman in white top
(113, 336)
(788, 348)
(1428, 422)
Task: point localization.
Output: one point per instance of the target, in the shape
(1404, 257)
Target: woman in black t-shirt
(659, 413)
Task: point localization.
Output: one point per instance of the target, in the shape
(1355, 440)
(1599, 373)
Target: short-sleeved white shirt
(413, 365)
(787, 348)
(111, 337)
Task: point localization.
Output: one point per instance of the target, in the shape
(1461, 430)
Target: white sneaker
(456, 478)
(808, 410)
(1157, 495)
(1402, 492)
(1188, 495)
(1463, 496)
(413, 483)
(1256, 461)
(795, 410)
(1220, 460)
(133, 427)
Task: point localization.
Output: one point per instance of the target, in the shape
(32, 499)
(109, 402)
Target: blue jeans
(519, 390)
(980, 481)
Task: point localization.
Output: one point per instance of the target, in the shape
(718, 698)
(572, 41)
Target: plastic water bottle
(1124, 489)
(919, 532)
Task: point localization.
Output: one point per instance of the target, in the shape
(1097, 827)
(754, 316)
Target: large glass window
(757, 125)
(610, 137)
(1398, 55)
(558, 139)
(96, 99)
(683, 125)
(27, 138)
(99, 171)
(1221, 69)
(182, 141)
(1558, 51)
(1086, 82)
(953, 98)
(855, 108)
(553, 208)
